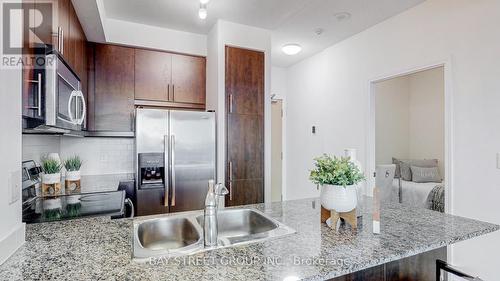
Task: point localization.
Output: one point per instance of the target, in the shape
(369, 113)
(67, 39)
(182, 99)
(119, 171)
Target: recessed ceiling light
(202, 12)
(342, 16)
(204, 2)
(318, 31)
(291, 49)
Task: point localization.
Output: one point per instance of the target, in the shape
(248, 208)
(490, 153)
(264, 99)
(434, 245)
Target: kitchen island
(101, 249)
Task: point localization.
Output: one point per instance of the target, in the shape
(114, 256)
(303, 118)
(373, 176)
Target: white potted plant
(51, 177)
(338, 178)
(73, 176)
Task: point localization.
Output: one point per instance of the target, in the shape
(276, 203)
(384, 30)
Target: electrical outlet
(14, 185)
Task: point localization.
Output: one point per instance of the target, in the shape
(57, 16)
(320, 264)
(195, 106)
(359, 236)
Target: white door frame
(283, 146)
(448, 137)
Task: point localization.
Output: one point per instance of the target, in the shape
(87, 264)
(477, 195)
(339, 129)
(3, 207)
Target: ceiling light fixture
(202, 12)
(291, 49)
(204, 2)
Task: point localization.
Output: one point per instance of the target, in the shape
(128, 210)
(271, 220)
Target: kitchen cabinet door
(113, 101)
(73, 41)
(244, 192)
(153, 75)
(188, 79)
(29, 86)
(62, 30)
(245, 146)
(44, 32)
(244, 126)
(244, 81)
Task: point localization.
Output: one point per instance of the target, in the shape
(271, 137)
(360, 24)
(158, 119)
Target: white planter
(339, 198)
(51, 178)
(52, 204)
(73, 175)
(74, 199)
(72, 182)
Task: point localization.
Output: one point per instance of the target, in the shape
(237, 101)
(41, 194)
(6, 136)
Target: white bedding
(414, 194)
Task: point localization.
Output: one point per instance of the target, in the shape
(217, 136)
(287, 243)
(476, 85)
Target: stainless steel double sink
(182, 234)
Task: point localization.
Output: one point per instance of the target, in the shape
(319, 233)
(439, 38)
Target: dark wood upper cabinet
(244, 81)
(113, 101)
(29, 86)
(172, 79)
(66, 35)
(153, 74)
(61, 33)
(244, 126)
(74, 37)
(188, 79)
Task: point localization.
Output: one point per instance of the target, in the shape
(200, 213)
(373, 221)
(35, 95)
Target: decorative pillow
(403, 166)
(405, 170)
(423, 174)
(397, 173)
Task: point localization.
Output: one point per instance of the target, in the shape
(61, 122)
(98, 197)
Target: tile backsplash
(100, 156)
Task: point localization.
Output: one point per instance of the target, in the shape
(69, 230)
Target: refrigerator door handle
(230, 180)
(172, 161)
(166, 169)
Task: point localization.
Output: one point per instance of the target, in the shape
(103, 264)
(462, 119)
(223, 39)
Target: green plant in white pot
(51, 177)
(338, 178)
(73, 175)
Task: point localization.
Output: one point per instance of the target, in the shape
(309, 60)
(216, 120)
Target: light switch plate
(498, 160)
(14, 185)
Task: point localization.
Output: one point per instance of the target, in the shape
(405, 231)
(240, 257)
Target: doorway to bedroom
(410, 133)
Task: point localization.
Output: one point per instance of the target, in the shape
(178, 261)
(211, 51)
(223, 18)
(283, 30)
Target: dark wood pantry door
(244, 126)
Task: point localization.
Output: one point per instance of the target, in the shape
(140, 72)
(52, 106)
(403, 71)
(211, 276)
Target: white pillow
(423, 174)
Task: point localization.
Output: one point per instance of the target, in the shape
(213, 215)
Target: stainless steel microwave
(55, 103)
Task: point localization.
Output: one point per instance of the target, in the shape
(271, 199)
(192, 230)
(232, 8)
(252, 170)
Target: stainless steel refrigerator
(176, 152)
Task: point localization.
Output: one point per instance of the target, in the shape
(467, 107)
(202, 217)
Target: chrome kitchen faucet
(211, 207)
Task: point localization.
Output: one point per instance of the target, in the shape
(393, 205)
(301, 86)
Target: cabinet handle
(168, 91)
(230, 180)
(173, 92)
(59, 38)
(231, 103)
(62, 41)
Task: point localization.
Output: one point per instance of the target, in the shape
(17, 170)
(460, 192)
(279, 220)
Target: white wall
(278, 82)
(227, 33)
(334, 86)
(392, 119)
(11, 227)
(147, 36)
(100, 156)
(410, 117)
(427, 130)
(305, 94)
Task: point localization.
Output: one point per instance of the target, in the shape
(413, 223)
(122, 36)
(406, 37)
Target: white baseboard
(11, 242)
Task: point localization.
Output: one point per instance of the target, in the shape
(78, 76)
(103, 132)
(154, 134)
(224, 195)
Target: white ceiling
(291, 21)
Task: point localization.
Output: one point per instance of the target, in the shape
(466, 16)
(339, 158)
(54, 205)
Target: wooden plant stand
(348, 217)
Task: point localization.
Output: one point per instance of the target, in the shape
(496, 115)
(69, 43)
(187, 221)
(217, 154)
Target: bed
(424, 195)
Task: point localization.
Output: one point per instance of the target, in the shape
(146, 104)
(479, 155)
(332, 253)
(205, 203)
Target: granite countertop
(101, 249)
